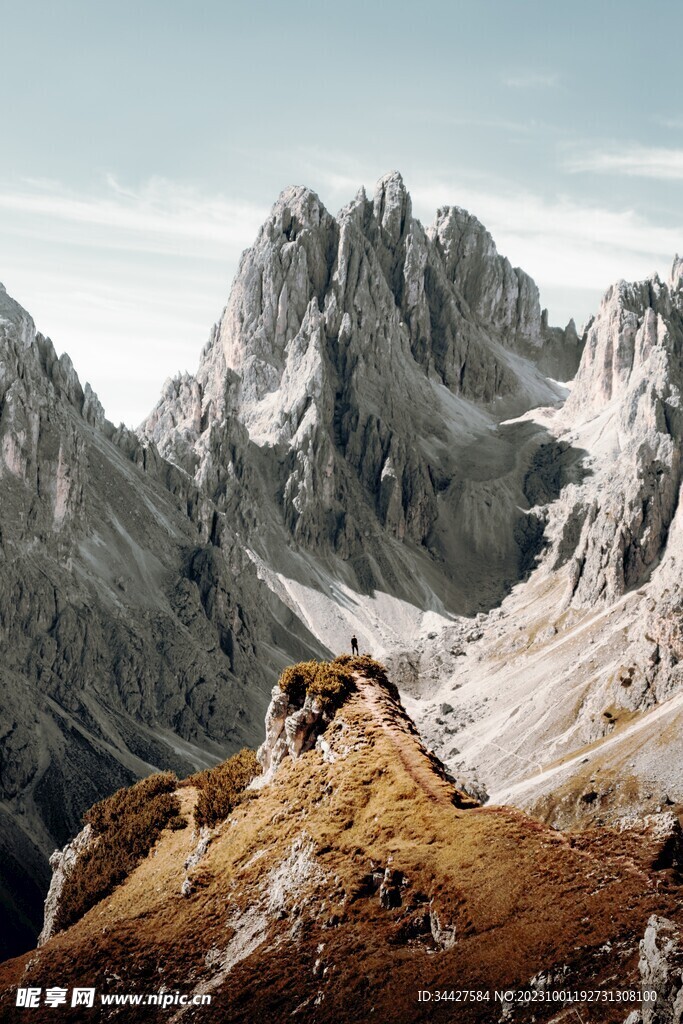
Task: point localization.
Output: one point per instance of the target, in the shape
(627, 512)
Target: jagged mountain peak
(18, 324)
(392, 206)
(637, 325)
(297, 208)
(393, 183)
(331, 324)
(302, 253)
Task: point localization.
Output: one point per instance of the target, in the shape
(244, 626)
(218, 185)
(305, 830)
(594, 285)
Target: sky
(144, 142)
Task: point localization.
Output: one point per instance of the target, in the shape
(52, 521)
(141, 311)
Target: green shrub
(125, 827)
(221, 788)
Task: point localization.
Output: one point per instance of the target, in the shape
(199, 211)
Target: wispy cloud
(563, 241)
(160, 216)
(669, 122)
(532, 80)
(632, 161)
(123, 277)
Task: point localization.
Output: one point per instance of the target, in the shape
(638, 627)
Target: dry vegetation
(296, 679)
(125, 827)
(366, 666)
(327, 682)
(221, 788)
(520, 897)
(330, 683)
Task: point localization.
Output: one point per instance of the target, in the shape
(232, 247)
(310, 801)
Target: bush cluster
(296, 680)
(329, 682)
(125, 827)
(221, 788)
(331, 685)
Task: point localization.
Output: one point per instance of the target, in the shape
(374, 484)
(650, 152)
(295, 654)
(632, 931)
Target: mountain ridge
(351, 861)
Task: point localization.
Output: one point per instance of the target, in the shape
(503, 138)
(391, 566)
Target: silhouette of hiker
(354, 644)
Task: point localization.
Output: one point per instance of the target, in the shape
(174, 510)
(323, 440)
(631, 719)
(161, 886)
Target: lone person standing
(354, 644)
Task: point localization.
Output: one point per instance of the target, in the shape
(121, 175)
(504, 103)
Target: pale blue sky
(143, 144)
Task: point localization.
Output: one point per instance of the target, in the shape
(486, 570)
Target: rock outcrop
(291, 730)
(62, 863)
(661, 972)
(628, 391)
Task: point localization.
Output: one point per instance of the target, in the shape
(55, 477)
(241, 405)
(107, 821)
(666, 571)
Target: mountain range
(384, 436)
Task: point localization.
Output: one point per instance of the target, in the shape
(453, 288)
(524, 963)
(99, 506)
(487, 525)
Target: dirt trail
(421, 765)
(425, 771)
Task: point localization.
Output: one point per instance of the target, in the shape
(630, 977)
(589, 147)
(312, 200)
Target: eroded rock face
(501, 296)
(629, 385)
(290, 731)
(661, 972)
(129, 614)
(62, 863)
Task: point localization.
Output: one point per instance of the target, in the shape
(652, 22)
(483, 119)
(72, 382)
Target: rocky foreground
(357, 875)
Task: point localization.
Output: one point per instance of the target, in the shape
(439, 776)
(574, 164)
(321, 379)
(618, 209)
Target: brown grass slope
(285, 920)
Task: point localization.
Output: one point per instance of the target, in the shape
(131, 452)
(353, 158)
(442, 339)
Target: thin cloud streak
(158, 214)
(532, 80)
(669, 122)
(563, 243)
(635, 161)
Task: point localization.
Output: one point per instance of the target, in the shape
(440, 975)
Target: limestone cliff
(134, 631)
(628, 390)
(567, 699)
